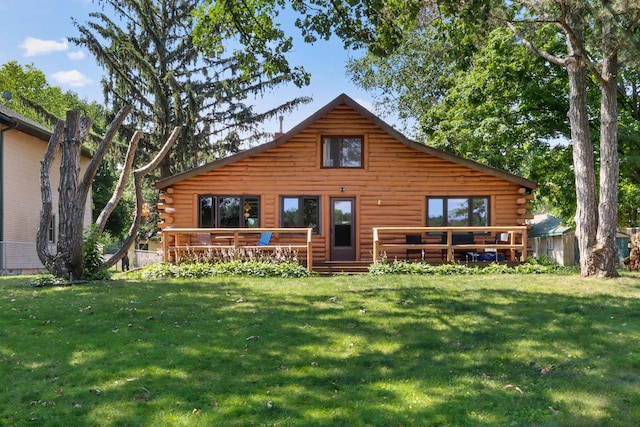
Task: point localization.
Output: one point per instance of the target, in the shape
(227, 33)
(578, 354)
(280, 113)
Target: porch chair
(501, 238)
(265, 239)
(414, 239)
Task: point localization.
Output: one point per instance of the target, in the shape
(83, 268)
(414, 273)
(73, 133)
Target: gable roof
(545, 225)
(346, 100)
(24, 124)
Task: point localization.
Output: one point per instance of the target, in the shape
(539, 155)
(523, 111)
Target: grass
(509, 350)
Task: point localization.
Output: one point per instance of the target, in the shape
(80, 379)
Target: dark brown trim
(469, 210)
(342, 137)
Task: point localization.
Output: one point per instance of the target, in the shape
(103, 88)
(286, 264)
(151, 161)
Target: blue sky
(35, 32)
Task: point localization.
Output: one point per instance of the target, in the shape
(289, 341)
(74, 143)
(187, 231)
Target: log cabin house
(352, 179)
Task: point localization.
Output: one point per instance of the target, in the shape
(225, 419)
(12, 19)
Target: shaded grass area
(383, 350)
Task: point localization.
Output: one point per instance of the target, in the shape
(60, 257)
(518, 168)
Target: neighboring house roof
(25, 124)
(545, 225)
(344, 99)
(29, 126)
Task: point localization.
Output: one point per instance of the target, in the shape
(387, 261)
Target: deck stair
(341, 267)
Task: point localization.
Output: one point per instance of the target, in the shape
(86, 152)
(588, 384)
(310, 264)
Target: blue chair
(265, 238)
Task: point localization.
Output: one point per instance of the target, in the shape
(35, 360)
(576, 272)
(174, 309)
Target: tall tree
(598, 36)
(67, 138)
(147, 49)
(500, 107)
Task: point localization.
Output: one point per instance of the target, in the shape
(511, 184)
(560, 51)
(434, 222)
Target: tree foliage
(147, 49)
(500, 106)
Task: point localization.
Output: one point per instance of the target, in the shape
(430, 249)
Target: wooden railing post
(309, 250)
(375, 245)
(165, 245)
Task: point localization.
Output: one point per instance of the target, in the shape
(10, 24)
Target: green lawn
(505, 350)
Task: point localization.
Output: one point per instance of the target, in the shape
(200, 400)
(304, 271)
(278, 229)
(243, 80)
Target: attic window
(342, 152)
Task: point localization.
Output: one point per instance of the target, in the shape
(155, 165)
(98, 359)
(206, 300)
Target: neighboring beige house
(22, 146)
(549, 237)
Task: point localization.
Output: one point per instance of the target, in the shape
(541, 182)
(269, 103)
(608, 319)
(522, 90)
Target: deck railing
(175, 240)
(442, 238)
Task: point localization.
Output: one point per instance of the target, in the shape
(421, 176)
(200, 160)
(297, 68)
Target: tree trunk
(42, 238)
(605, 250)
(583, 159)
(69, 136)
(68, 261)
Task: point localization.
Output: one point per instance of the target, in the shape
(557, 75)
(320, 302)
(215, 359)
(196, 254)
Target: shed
(548, 237)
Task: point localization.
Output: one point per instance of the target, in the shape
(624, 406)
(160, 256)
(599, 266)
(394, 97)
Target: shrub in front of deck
(92, 256)
(223, 255)
(404, 267)
(196, 270)
(532, 266)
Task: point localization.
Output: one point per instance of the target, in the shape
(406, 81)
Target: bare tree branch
(546, 55)
(91, 170)
(101, 221)
(138, 175)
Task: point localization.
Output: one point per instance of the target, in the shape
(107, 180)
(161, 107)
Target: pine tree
(147, 49)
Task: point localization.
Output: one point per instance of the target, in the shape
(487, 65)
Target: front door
(343, 227)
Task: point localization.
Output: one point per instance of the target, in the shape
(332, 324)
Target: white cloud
(73, 78)
(78, 54)
(33, 46)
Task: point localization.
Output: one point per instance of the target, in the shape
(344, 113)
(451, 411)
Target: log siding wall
(390, 190)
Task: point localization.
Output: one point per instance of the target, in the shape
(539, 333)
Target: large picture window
(342, 152)
(300, 211)
(457, 211)
(229, 211)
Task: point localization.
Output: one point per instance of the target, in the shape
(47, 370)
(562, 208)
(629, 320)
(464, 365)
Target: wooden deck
(176, 241)
(436, 244)
(446, 241)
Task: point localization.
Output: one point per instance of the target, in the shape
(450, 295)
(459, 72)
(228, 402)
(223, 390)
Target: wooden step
(341, 267)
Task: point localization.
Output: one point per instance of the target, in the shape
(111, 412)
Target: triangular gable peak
(343, 99)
